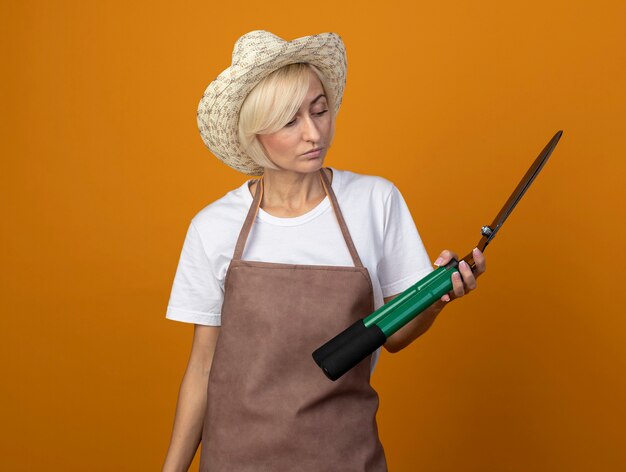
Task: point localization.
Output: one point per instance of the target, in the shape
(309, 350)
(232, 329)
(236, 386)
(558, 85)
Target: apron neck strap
(247, 224)
(342, 223)
(254, 209)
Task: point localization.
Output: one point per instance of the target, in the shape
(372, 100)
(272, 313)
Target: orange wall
(103, 167)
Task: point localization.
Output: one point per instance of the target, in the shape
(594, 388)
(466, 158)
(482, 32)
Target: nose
(310, 131)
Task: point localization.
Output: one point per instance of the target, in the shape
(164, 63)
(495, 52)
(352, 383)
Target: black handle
(335, 343)
(346, 356)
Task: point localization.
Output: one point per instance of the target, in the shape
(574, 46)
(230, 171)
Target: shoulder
(220, 218)
(356, 184)
(366, 199)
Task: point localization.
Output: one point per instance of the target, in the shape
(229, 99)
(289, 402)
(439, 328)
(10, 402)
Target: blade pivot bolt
(486, 231)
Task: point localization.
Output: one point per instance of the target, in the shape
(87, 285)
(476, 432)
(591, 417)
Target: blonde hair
(272, 103)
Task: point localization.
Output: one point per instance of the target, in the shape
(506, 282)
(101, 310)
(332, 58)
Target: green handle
(402, 309)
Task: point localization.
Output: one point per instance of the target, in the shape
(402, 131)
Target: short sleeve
(197, 294)
(405, 260)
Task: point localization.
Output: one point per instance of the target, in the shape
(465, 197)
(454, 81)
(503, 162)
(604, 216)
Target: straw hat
(256, 55)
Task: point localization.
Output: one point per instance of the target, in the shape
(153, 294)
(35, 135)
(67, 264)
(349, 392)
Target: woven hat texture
(256, 55)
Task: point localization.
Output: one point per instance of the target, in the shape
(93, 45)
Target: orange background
(103, 168)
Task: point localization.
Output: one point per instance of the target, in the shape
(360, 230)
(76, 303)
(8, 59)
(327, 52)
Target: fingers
(463, 281)
(479, 260)
(457, 285)
(469, 280)
(445, 257)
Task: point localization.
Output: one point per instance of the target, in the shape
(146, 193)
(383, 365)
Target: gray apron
(270, 408)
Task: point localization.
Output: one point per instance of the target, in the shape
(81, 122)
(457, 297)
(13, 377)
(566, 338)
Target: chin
(316, 165)
(308, 166)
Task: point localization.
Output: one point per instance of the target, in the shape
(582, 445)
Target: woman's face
(311, 128)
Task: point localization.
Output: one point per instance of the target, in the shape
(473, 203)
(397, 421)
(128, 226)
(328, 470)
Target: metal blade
(489, 232)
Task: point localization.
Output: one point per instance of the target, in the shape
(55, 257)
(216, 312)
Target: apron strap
(254, 209)
(247, 224)
(342, 223)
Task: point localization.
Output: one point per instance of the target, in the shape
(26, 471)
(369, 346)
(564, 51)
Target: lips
(312, 151)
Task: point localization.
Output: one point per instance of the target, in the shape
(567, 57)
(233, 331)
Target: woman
(276, 267)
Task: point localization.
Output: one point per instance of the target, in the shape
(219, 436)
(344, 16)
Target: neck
(287, 193)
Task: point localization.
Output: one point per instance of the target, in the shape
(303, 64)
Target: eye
(321, 112)
(291, 123)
